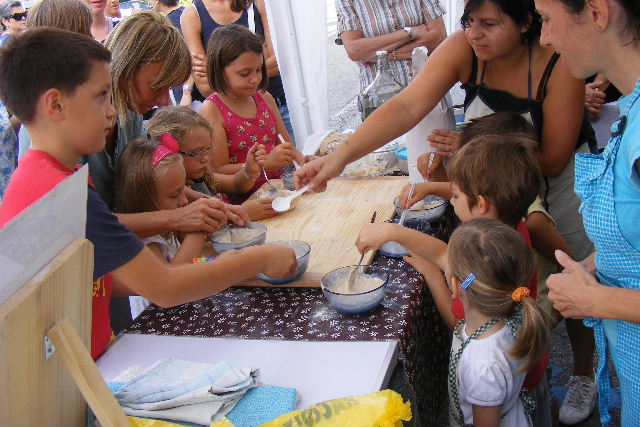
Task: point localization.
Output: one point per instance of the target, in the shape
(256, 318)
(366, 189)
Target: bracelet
(187, 88)
(246, 175)
(393, 55)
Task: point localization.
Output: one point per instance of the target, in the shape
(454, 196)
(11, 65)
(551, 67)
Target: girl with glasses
(193, 133)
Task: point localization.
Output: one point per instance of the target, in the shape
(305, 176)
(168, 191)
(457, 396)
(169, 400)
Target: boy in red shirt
(59, 83)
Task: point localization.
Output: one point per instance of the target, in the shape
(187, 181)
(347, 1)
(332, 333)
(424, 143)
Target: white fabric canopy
(298, 30)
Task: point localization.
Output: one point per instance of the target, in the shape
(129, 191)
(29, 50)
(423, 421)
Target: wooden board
(330, 222)
(36, 391)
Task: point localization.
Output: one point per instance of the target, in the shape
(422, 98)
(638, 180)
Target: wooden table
(330, 222)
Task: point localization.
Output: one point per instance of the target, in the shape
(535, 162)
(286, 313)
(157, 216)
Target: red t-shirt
(535, 375)
(38, 173)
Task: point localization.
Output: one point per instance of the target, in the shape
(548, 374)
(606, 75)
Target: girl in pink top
(240, 110)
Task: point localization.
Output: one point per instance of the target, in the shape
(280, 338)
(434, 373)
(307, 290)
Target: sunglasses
(197, 155)
(18, 16)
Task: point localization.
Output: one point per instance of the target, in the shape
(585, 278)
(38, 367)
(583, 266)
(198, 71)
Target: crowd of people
(547, 231)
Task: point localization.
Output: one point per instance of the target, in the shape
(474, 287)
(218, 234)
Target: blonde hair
(501, 261)
(178, 121)
(71, 15)
(144, 38)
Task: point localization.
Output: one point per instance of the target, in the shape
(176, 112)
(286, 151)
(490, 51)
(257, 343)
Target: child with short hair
(58, 84)
(240, 110)
(504, 333)
(193, 133)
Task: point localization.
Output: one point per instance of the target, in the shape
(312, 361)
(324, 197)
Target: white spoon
(283, 204)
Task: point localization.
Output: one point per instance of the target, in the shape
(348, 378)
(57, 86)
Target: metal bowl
(353, 303)
(396, 250)
(432, 214)
(218, 238)
(303, 252)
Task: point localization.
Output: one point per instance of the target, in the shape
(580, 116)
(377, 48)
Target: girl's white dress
(169, 248)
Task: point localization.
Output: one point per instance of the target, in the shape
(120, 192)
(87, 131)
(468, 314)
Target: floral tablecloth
(407, 314)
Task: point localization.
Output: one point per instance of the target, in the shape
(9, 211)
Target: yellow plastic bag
(149, 422)
(381, 409)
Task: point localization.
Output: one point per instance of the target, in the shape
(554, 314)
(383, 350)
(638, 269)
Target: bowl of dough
(238, 237)
(429, 209)
(374, 164)
(365, 293)
(302, 250)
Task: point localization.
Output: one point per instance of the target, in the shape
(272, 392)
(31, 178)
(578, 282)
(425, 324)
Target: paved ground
(343, 114)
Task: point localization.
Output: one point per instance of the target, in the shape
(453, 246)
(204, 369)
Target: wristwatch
(187, 88)
(410, 32)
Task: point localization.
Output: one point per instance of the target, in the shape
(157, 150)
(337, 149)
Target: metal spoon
(283, 204)
(352, 274)
(273, 189)
(403, 216)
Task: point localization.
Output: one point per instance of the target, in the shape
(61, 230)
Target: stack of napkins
(185, 391)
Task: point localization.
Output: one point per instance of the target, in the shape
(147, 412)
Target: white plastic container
(441, 117)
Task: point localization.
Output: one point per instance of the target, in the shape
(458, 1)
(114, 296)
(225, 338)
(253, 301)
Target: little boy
(58, 83)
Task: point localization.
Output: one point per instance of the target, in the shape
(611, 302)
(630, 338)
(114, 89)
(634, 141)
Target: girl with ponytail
(504, 332)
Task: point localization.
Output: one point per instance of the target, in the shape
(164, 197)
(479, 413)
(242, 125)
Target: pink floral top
(243, 132)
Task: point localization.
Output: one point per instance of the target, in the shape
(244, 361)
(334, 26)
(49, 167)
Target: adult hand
(594, 99)
(280, 261)
(206, 215)
(259, 208)
(424, 168)
(199, 65)
(317, 172)
(282, 155)
(445, 141)
(236, 214)
(573, 292)
(372, 236)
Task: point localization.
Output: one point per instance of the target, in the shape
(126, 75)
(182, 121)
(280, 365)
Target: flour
(361, 283)
(236, 235)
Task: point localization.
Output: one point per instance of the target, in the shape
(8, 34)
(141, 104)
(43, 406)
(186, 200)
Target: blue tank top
(208, 26)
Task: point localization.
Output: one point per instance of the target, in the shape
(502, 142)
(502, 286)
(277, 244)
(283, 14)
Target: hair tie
(169, 145)
(520, 292)
(467, 282)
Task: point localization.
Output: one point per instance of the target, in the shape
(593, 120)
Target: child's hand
(421, 191)
(445, 141)
(280, 261)
(255, 158)
(372, 236)
(236, 214)
(282, 155)
(426, 169)
(309, 158)
(259, 209)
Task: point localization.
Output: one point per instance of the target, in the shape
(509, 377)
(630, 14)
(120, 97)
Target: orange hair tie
(520, 292)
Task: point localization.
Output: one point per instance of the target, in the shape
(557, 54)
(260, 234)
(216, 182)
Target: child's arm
(422, 190)
(488, 416)
(191, 247)
(258, 209)
(219, 157)
(545, 238)
(372, 236)
(243, 180)
(167, 285)
(437, 286)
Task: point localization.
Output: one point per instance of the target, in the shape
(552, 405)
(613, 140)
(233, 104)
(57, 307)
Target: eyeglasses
(18, 16)
(197, 155)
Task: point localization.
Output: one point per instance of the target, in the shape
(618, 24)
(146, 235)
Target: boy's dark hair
(43, 59)
(169, 3)
(502, 168)
(225, 46)
(500, 123)
(522, 12)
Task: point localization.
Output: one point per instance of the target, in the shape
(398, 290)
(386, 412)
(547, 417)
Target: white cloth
(184, 391)
(169, 249)
(487, 377)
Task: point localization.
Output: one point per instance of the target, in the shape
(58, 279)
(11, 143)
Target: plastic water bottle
(441, 117)
(382, 88)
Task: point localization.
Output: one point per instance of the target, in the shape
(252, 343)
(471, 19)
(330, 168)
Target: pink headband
(168, 146)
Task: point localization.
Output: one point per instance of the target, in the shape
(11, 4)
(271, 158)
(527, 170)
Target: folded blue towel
(262, 404)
